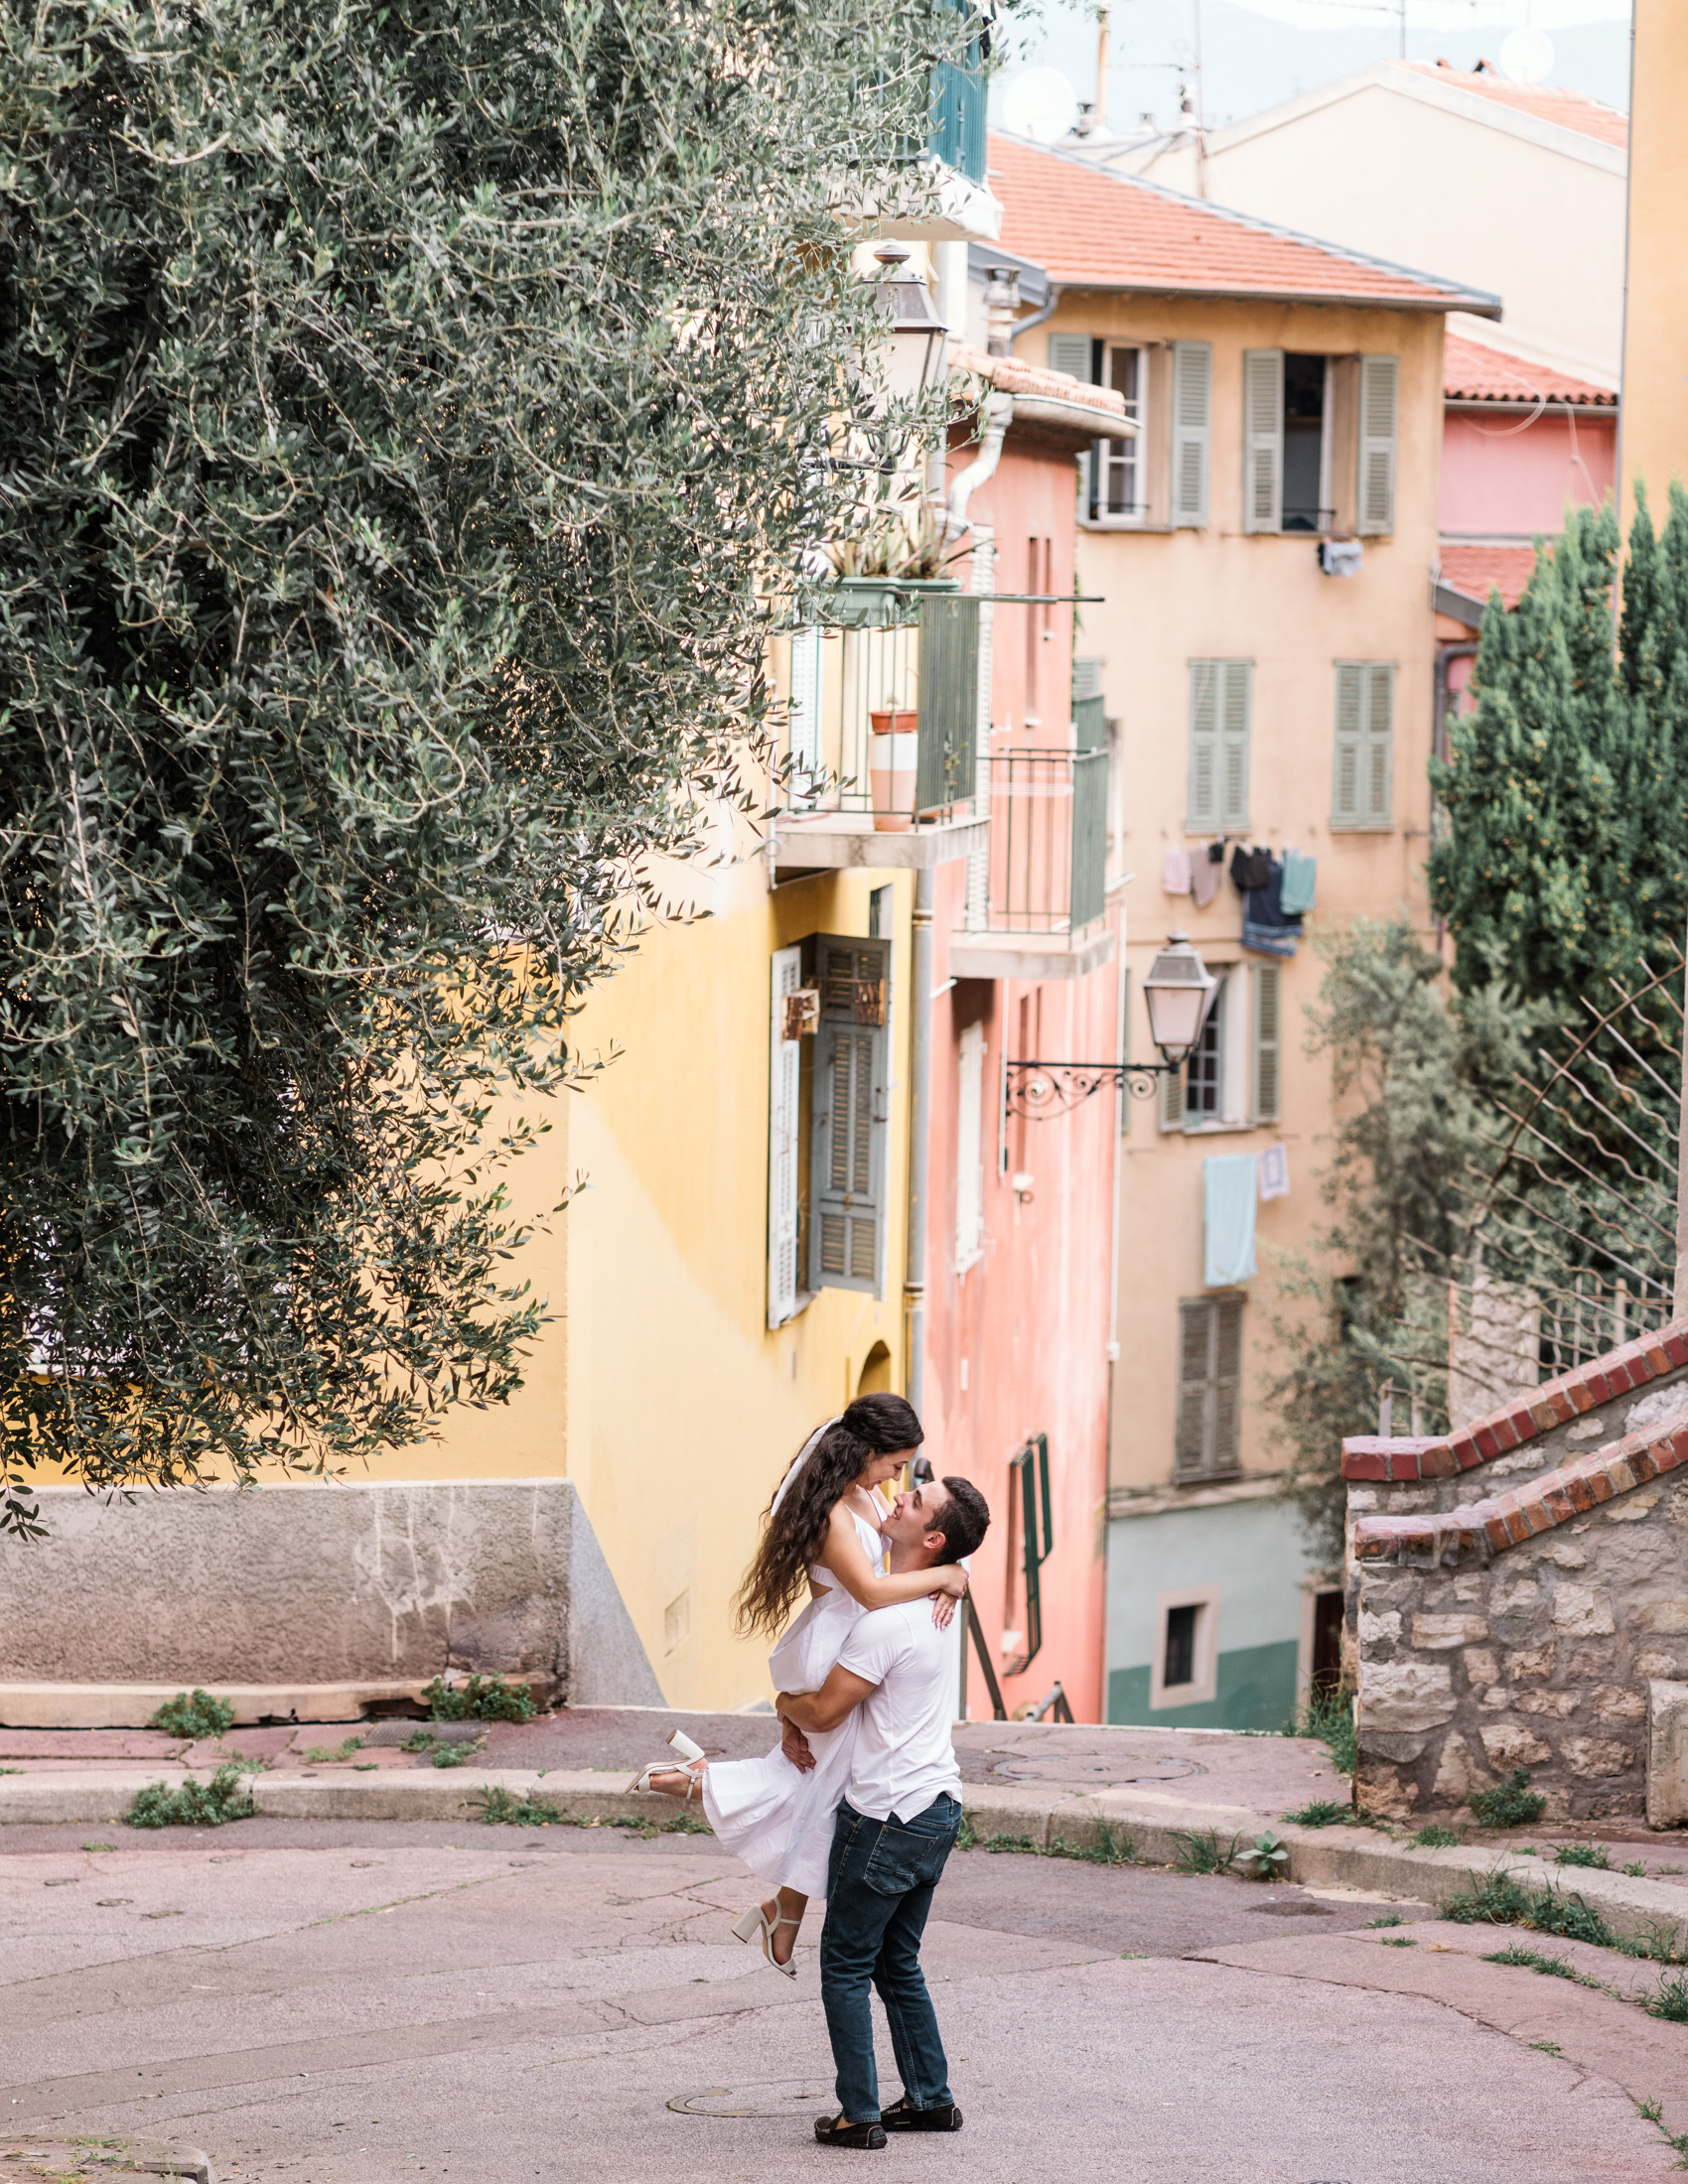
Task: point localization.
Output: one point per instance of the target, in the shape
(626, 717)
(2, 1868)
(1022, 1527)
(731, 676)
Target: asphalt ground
(359, 2002)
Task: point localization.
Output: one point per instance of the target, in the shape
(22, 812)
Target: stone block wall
(1515, 1588)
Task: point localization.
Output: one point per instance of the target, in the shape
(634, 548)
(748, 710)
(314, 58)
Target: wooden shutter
(804, 733)
(1193, 403)
(1203, 803)
(1227, 1384)
(1071, 352)
(945, 770)
(1262, 438)
(1379, 392)
(969, 1148)
(1363, 787)
(851, 1115)
(784, 1124)
(1236, 692)
(1265, 1019)
(1194, 1384)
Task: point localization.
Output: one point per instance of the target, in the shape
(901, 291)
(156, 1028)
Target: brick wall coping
(1536, 1412)
(1486, 1528)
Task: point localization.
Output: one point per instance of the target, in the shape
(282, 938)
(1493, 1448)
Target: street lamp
(1180, 990)
(917, 332)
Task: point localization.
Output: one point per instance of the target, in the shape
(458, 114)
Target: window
(1363, 787)
(828, 1119)
(1184, 1669)
(1221, 702)
(1205, 1072)
(1233, 1079)
(969, 1149)
(1210, 1392)
(1285, 472)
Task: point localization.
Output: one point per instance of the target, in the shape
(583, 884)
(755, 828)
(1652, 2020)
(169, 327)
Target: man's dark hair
(963, 1520)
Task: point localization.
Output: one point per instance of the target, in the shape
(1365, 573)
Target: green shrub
(1497, 1900)
(194, 1714)
(1585, 1854)
(1203, 1853)
(194, 1804)
(481, 1698)
(1433, 1838)
(1323, 1811)
(1510, 1803)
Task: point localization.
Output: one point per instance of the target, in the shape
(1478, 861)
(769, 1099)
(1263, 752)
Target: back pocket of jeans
(902, 1859)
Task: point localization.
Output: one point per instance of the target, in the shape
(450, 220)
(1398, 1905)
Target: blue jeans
(879, 1889)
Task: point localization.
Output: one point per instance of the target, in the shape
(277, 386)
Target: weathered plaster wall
(321, 1585)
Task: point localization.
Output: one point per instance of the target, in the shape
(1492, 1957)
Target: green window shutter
(946, 768)
(1203, 806)
(851, 1115)
(1263, 438)
(1362, 784)
(1235, 708)
(784, 1126)
(1377, 788)
(1192, 406)
(1266, 1041)
(1379, 403)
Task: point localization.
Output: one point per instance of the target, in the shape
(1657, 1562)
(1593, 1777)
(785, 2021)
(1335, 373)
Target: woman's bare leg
(787, 1904)
(680, 1780)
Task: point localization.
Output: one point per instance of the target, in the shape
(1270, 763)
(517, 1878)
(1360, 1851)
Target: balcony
(877, 759)
(1036, 892)
(952, 163)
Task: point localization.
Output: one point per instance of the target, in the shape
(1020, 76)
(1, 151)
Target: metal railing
(1048, 814)
(883, 718)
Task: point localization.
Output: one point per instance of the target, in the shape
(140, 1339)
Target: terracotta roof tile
(1477, 570)
(1566, 109)
(1014, 375)
(1094, 229)
(1472, 373)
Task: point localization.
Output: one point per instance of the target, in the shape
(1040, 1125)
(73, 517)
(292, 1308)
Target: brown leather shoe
(832, 2130)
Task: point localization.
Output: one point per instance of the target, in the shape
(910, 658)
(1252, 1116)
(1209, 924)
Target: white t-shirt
(903, 1757)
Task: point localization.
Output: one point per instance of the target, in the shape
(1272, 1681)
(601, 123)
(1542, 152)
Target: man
(899, 1820)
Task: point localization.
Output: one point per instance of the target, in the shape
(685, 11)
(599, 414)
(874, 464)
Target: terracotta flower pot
(888, 723)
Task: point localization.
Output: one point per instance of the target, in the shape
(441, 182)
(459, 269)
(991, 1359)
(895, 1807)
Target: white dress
(775, 1817)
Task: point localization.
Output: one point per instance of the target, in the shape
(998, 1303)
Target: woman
(823, 1527)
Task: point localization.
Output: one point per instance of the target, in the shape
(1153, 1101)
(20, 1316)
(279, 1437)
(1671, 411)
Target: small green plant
(194, 1804)
(1203, 1853)
(99, 1846)
(480, 1698)
(501, 1808)
(1433, 1838)
(1267, 1858)
(1323, 1811)
(1637, 1871)
(453, 1755)
(1552, 1967)
(1669, 2000)
(1496, 1900)
(1547, 2047)
(319, 1755)
(1328, 1715)
(1585, 1853)
(1510, 1803)
(11, 1770)
(194, 1714)
(366, 1767)
(1389, 1918)
(1570, 1916)
(1399, 1941)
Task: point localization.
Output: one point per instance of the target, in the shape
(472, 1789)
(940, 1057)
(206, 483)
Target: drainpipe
(1025, 326)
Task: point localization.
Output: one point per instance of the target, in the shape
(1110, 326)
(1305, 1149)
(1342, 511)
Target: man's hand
(795, 1745)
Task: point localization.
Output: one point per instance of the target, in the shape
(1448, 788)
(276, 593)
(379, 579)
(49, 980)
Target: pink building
(1020, 1223)
(1522, 444)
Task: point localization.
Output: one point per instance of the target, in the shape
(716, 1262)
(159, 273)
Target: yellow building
(1266, 655)
(1653, 440)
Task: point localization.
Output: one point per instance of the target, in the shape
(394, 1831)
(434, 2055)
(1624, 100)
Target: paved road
(369, 2002)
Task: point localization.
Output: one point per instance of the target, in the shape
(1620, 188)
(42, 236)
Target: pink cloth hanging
(1175, 872)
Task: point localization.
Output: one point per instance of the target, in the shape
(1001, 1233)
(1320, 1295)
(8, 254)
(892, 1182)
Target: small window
(1118, 466)
(1285, 448)
(1210, 1392)
(1185, 1668)
(1205, 1072)
(1180, 1645)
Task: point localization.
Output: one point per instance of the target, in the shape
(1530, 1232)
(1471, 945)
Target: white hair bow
(804, 1454)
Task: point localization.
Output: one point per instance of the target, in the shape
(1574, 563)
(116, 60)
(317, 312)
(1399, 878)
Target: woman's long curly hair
(871, 1426)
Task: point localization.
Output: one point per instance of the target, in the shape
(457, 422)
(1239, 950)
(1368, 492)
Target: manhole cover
(767, 2096)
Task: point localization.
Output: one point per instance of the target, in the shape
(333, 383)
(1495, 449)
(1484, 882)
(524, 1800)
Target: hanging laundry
(1205, 875)
(1249, 869)
(1265, 927)
(1175, 872)
(1275, 1172)
(1229, 1190)
(1299, 874)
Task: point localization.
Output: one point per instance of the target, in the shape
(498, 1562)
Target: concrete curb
(1353, 1857)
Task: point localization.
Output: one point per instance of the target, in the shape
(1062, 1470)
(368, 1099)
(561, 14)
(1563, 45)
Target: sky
(1255, 53)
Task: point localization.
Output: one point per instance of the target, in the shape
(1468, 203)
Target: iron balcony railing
(1046, 867)
(882, 719)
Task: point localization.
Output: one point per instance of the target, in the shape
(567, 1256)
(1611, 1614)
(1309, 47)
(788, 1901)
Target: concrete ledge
(132, 1706)
(840, 841)
(1029, 955)
(1355, 1857)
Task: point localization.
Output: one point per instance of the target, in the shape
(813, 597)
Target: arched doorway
(876, 1372)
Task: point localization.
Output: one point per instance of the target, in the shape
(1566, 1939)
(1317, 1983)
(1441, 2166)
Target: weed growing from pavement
(1510, 1803)
(99, 1846)
(1203, 1853)
(1669, 2001)
(194, 1714)
(1585, 1853)
(1389, 1918)
(1328, 1716)
(11, 1770)
(481, 1698)
(1433, 1838)
(1652, 2112)
(501, 1808)
(1499, 1901)
(1399, 1941)
(319, 1755)
(1109, 1848)
(1637, 1871)
(194, 1804)
(1267, 1859)
(1552, 1967)
(1323, 1811)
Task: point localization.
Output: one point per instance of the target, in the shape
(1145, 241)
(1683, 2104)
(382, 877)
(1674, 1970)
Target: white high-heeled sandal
(756, 1925)
(690, 1754)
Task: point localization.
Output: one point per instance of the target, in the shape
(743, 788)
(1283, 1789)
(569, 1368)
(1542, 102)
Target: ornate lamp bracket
(1038, 1089)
